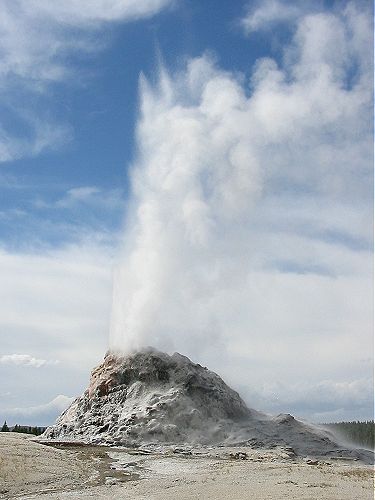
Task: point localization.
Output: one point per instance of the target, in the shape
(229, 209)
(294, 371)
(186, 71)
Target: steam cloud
(247, 191)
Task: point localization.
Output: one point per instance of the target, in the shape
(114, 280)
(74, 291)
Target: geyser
(239, 222)
(151, 398)
(235, 196)
(194, 182)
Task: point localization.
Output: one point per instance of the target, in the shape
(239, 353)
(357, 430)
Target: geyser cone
(150, 397)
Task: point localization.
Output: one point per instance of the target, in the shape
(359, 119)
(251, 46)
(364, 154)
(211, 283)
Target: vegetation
(358, 433)
(5, 428)
(37, 431)
(25, 429)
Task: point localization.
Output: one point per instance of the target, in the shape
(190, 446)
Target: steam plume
(235, 188)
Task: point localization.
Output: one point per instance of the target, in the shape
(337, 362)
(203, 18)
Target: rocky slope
(151, 397)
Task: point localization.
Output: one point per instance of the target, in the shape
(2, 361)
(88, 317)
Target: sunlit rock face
(150, 397)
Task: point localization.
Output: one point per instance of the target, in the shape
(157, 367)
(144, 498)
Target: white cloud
(74, 12)
(91, 196)
(25, 360)
(111, 199)
(269, 12)
(83, 193)
(53, 305)
(36, 38)
(250, 232)
(40, 415)
(47, 135)
(62, 295)
(34, 33)
(320, 401)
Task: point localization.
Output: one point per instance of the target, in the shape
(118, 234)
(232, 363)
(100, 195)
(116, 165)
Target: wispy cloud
(42, 136)
(91, 195)
(25, 360)
(38, 34)
(74, 13)
(54, 215)
(37, 38)
(81, 196)
(264, 15)
(82, 193)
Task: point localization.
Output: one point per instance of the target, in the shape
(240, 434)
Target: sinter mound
(151, 397)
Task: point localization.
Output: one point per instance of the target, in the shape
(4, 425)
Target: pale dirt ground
(29, 470)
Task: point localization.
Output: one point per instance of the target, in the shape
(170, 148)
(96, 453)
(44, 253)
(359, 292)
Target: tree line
(25, 429)
(358, 433)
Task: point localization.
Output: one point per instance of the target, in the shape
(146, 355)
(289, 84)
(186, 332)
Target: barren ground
(30, 470)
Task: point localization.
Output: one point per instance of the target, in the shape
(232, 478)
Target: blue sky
(255, 125)
(95, 109)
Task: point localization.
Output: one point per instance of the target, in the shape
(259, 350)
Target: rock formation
(151, 397)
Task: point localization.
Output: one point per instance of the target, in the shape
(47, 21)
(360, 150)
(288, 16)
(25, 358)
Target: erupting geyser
(152, 398)
(197, 260)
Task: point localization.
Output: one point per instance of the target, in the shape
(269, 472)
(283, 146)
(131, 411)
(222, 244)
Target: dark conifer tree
(5, 427)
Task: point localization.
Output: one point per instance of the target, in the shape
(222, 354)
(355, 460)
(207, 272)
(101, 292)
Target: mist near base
(247, 228)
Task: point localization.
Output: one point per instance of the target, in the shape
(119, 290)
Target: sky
(192, 176)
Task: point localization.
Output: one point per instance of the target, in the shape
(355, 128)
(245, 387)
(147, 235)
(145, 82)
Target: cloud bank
(25, 360)
(57, 303)
(40, 415)
(54, 305)
(249, 235)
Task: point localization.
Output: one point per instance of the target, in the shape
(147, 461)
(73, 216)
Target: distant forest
(358, 433)
(25, 429)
